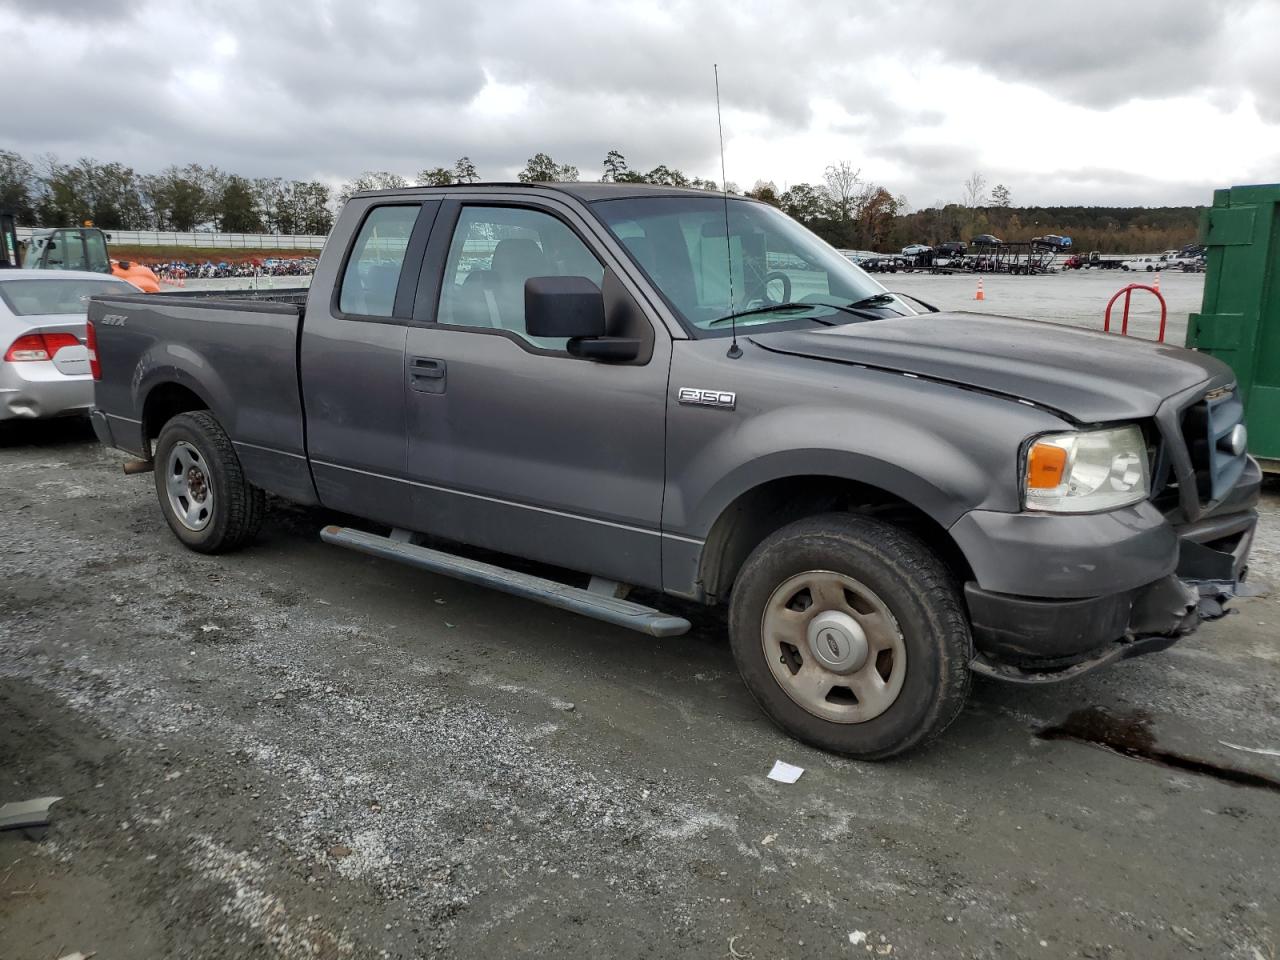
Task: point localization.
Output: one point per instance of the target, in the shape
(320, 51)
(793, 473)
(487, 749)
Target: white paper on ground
(785, 772)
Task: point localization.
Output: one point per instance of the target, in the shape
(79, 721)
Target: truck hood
(1089, 376)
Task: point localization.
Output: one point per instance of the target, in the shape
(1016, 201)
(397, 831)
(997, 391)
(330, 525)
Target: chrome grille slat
(1204, 424)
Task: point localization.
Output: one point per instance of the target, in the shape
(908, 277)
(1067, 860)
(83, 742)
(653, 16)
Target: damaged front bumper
(1028, 639)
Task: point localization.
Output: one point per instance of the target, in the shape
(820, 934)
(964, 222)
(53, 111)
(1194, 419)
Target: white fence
(246, 241)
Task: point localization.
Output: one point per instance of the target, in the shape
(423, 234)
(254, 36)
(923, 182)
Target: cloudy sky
(1074, 101)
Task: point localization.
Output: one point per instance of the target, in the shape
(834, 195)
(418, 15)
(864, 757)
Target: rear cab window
(376, 260)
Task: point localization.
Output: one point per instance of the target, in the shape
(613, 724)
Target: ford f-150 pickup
(693, 395)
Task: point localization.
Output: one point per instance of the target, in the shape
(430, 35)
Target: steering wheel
(786, 286)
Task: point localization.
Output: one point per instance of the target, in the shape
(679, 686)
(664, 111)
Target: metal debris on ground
(26, 813)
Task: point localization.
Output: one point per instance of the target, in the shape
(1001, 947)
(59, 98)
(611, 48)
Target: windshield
(35, 298)
(781, 272)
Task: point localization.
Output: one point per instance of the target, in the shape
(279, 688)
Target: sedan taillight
(91, 341)
(39, 346)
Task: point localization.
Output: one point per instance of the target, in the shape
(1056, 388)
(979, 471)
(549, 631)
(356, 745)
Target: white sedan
(45, 367)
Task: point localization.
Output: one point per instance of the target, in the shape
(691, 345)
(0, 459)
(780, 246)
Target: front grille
(1206, 429)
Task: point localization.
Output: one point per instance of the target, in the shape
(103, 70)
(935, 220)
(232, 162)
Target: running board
(621, 613)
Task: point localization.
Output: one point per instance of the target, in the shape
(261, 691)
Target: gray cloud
(330, 89)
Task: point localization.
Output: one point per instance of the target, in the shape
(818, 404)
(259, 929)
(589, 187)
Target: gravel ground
(297, 751)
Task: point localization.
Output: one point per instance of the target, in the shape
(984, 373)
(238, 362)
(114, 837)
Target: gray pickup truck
(694, 396)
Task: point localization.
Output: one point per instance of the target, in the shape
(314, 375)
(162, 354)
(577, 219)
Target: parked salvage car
(915, 249)
(45, 366)
(1143, 264)
(986, 240)
(887, 499)
(1052, 240)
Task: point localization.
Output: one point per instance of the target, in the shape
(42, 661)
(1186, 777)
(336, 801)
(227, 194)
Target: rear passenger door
(352, 357)
(514, 444)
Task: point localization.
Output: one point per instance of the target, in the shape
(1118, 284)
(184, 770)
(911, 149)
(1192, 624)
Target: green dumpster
(1239, 321)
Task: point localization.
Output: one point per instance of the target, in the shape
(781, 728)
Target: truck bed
(237, 351)
(296, 295)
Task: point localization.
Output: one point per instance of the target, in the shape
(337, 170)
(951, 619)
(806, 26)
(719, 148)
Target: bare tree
(842, 185)
(975, 190)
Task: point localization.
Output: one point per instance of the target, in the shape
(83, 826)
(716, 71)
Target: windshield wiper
(879, 298)
(792, 305)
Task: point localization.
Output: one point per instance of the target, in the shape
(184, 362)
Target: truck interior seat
(642, 249)
(514, 262)
(379, 286)
(472, 304)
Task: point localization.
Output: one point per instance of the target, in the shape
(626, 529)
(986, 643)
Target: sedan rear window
(35, 298)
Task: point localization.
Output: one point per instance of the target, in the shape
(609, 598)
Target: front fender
(928, 473)
(944, 450)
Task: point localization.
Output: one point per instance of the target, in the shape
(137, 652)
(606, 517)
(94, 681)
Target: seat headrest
(642, 249)
(519, 258)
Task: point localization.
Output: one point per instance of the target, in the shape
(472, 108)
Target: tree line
(48, 192)
(843, 208)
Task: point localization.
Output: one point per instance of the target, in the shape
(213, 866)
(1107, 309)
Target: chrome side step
(621, 613)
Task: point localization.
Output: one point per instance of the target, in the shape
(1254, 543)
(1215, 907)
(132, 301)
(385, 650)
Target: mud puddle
(1129, 734)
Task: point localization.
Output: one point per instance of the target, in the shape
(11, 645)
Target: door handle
(427, 374)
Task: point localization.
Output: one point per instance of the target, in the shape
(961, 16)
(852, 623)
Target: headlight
(1086, 472)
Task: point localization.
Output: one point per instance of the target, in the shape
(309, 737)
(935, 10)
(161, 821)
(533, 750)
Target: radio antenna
(735, 351)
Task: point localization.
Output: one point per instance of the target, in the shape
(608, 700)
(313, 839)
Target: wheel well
(165, 402)
(759, 512)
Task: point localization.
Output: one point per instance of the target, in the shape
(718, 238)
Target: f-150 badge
(698, 397)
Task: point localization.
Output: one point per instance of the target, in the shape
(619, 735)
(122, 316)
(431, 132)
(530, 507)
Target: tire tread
(909, 559)
(244, 504)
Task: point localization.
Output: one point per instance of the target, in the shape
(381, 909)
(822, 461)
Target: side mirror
(573, 308)
(563, 307)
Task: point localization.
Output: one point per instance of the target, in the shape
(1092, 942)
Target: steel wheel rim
(833, 646)
(187, 483)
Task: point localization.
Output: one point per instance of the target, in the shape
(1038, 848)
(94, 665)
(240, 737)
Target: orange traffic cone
(1156, 283)
(979, 295)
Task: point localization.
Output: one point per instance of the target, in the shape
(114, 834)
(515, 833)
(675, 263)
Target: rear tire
(876, 660)
(203, 494)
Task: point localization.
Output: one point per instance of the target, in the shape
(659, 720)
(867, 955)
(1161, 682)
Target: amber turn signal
(1046, 465)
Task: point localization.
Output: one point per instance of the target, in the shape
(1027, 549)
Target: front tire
(206, 500)
(851, 635)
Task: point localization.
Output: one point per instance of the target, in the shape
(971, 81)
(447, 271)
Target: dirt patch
(366, 761)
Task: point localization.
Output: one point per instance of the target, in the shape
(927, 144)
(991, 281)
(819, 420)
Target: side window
(373, 269)
(66, 250)
(493, 252)
(96, 252)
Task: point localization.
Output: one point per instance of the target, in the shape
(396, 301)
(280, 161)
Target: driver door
(513, 444)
